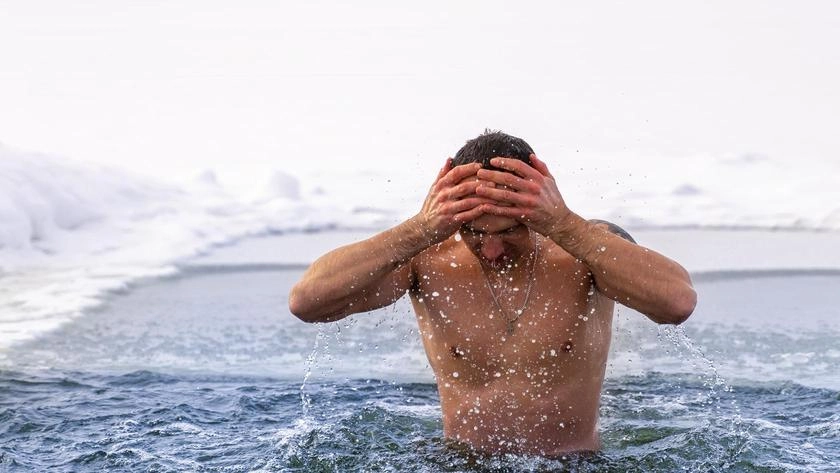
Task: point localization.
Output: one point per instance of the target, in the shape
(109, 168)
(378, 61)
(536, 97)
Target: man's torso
(535, 390)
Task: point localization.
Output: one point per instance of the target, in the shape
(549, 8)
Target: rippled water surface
(208, 372)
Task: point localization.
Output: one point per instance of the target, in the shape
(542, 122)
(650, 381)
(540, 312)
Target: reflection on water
(210, 371)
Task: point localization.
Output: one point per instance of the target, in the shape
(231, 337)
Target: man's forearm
(628, 273)
(343, 277)
(373, 273)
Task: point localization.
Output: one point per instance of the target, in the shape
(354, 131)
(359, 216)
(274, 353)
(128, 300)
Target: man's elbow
(681, 307)
(300, 307)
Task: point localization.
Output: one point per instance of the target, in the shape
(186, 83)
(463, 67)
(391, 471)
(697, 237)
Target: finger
(508, 179)
(512, 212)
(462, 189)
(515, 166)
(504, 195)
(540, 166)
(466, 204)
(487, 183)
(458, 173)
(469, 215)
(445, 169)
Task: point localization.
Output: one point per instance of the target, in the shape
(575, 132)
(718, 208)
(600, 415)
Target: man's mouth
(498, 262)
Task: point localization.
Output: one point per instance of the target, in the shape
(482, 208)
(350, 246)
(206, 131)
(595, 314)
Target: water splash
(311, 363)
(690, 352)
(717, 386)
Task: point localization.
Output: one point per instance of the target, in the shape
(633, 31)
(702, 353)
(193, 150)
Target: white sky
(244, 87)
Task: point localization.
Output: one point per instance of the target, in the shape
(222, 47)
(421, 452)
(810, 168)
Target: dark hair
(490, 144)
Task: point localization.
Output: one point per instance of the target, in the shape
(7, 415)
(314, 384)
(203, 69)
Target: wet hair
(490, 144)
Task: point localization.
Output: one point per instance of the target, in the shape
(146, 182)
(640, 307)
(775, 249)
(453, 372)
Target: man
(513, 294)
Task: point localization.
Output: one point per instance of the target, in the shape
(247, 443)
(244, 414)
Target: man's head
(492, 144)
(498, 240)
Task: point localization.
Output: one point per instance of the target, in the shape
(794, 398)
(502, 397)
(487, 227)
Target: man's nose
(492, 247)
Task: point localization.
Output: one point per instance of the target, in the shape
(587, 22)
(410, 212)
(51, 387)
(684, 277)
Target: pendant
(510, 328)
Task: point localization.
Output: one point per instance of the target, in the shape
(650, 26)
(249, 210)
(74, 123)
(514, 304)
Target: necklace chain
(511, 321)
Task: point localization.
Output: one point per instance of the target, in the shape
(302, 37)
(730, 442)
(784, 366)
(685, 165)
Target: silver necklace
(511, 321)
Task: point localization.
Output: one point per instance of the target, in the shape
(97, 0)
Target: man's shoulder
(440, 254)
(442, 261)
(613, 228)
(445, 250)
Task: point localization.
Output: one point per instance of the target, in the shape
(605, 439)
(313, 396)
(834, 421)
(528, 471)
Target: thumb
(540, 166)
(445, 169)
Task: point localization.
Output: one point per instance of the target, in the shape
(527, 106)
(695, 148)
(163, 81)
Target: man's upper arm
(613, 228)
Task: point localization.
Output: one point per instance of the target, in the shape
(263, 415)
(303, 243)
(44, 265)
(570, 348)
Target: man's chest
(468, 324)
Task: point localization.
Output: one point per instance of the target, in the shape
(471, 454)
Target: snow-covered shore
(70, 233)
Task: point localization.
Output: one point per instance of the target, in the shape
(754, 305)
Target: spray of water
(311, 363)
(718, 387)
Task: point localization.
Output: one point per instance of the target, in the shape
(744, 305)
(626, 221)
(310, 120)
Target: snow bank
(70, 233)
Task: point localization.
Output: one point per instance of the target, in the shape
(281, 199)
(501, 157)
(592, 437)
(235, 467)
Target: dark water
(206, 373)
(144, 421)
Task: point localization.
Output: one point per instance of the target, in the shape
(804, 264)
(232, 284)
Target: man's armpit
(613, 228)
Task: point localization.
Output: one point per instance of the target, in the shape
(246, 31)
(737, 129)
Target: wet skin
(533, 391)
(529, 384)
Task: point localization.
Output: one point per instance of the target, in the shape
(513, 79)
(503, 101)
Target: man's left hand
(528, 194)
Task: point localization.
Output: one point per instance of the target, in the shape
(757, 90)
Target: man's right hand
(373, 273)
(451, 201)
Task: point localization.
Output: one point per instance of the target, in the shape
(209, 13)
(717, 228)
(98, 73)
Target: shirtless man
(513, 294)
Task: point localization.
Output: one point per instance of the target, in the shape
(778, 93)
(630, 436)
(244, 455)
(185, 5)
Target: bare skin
(508, 382)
